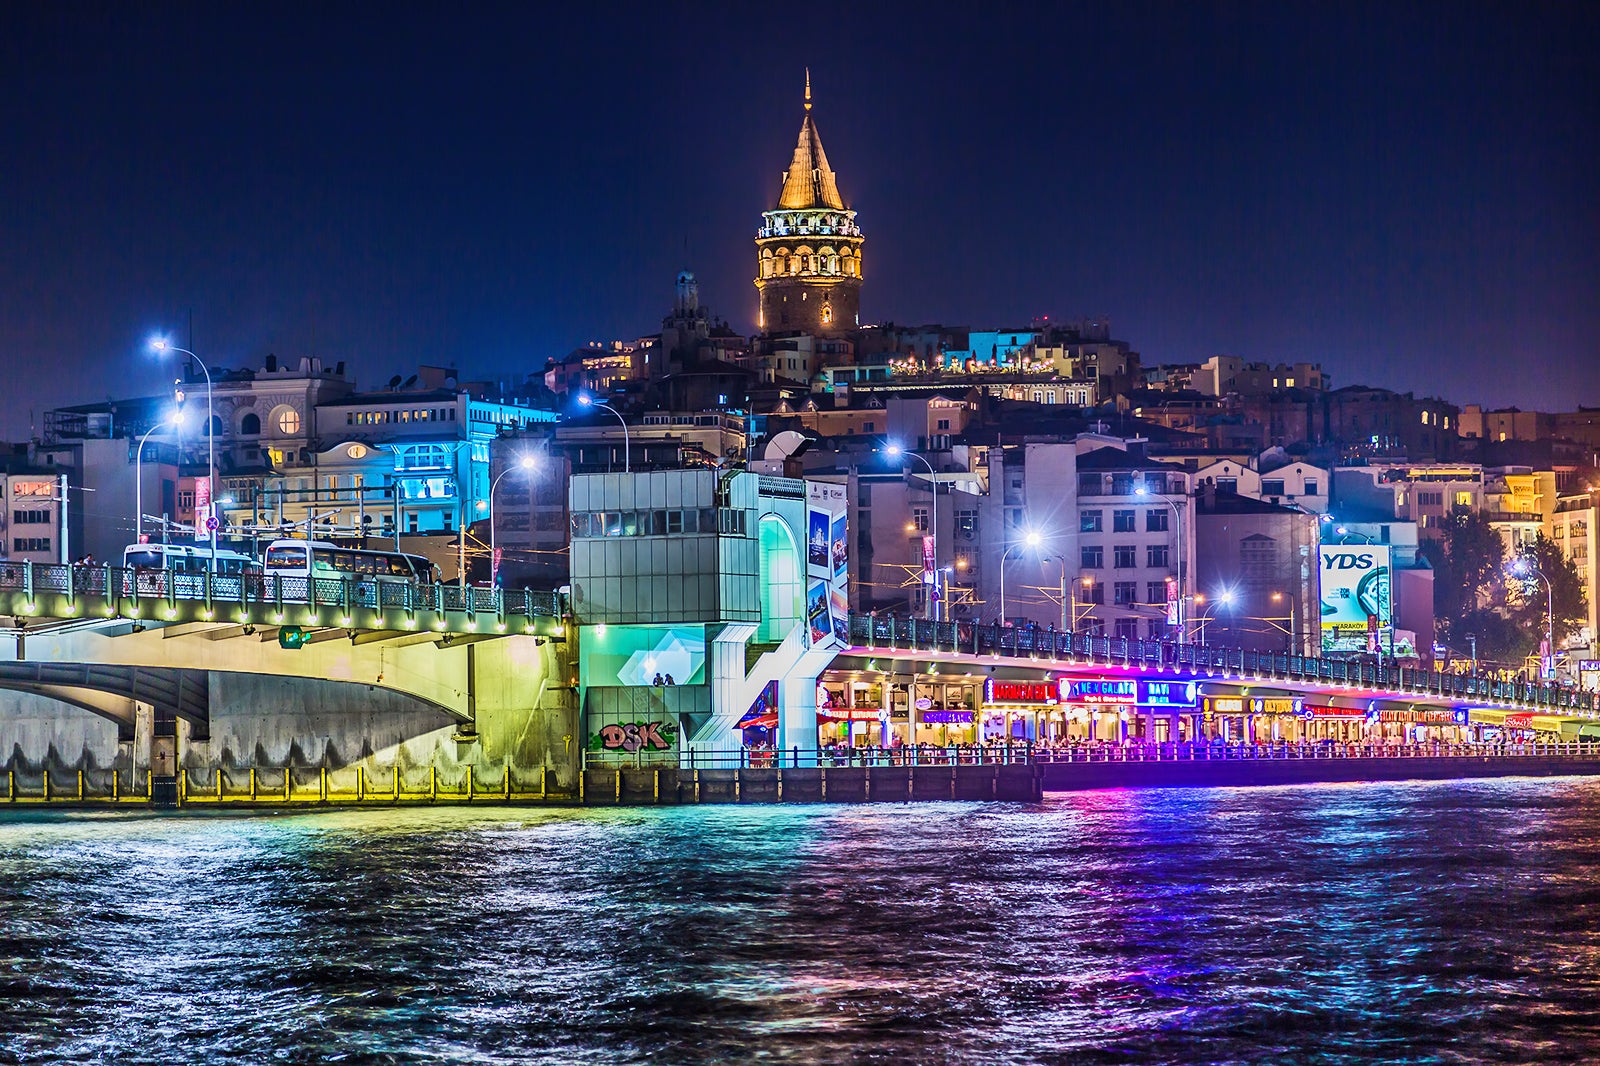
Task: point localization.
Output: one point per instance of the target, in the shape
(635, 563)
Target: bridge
(425, 685)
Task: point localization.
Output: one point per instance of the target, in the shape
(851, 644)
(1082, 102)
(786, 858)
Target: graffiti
(634, 736)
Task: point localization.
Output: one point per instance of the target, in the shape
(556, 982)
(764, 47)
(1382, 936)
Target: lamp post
(1526, 567)
(1029, 540)
(1223, 599)
(1294, 635)
(526, 463)
(935, 601)
(162, 345)
(138, 475)
(1177, 512)
(589, 401)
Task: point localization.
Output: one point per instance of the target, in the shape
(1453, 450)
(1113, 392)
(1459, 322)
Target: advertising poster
(827, 561)
(817, 545)
(817, 611)
(839, 609)
(1357, 608)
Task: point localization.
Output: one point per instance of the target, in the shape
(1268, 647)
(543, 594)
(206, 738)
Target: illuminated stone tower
(808, 251)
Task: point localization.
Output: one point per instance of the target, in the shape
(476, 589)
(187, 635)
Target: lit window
(288, 421)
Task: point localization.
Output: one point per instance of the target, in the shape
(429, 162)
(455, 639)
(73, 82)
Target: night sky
(1405, 194)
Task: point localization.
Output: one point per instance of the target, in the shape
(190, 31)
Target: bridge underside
(114, 692)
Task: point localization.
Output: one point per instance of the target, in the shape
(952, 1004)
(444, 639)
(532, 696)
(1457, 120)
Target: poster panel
(817, 611)
(1357, 606)
(636, 655)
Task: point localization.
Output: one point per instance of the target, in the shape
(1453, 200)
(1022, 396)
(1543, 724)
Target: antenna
(808, 88)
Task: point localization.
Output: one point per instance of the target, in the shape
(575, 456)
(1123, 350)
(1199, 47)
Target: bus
(317, 558)
(181, 568)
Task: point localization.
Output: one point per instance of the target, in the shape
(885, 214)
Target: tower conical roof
(809, 181)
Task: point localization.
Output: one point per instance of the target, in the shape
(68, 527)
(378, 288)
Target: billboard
(827, 562)
(1357, 604)
(636, 656)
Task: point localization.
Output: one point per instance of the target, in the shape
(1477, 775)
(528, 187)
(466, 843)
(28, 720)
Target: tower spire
(808, 88)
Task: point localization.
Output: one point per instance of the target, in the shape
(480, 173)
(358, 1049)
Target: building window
(30, 544)
(1272, 487)
(1125, 593)
(1155, 521)
(1092, 556)
(967, 522)
(1094, 592)
(1310, 486)
(1227, 484)
(1091, 521)
(1123, 521)
(1127, 628)
(288, 421)
(919, 519)
(1155, 555)
(1155, 592)
(1125, 556)
(1091, 485)
(1463, 499)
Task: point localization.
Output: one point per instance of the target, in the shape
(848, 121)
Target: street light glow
(527, 462)
(584, 399)
(1032, 539)
(893, 450)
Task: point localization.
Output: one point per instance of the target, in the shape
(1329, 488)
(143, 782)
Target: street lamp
(1294, 635)
(1030, 539)
(176, 419)
(895, 451)
(1345, 533)
(1526, 567)
(1177, 512)
(585, 400)
(526, 463)
(1223, 599)
(162, 346)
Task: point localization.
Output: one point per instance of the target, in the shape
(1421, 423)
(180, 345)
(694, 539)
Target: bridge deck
(32, 590)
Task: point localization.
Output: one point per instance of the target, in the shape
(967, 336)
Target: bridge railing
(1184, 751)
(137, 584)
(838, 755)
(1033, 643)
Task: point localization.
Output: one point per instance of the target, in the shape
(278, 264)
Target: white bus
(316, 558)
(181, 569)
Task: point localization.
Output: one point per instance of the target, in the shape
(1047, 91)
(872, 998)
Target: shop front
(1120, 709)
(1341, 725)
(868, 709)
(1253, 719)
(1418, 725)
(1014, 710)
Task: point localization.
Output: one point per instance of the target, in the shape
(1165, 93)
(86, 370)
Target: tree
(1468, 564)
(1564, 599)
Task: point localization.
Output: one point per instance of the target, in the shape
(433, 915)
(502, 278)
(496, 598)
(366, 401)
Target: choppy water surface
(1454, 922)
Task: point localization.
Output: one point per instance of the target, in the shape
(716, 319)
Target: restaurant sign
(1021, 693)
(1099, 690)
(1167, 694)
(1271, 705)
(1323, 714)
(1421, 716)
(947, 718)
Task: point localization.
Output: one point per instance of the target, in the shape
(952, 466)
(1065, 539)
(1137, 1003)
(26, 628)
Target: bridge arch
(783, 579)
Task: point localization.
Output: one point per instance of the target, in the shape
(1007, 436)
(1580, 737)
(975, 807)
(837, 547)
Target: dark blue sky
(1405, 194)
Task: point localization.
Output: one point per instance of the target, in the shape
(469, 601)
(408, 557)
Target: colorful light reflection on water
(1429, 922)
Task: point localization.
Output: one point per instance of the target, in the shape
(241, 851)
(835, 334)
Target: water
(1448, 922)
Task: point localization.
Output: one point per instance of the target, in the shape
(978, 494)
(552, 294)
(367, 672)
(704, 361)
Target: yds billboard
(1357, 607)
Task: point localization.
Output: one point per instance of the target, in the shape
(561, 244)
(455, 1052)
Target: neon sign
(1030, 693)
(1099, 690)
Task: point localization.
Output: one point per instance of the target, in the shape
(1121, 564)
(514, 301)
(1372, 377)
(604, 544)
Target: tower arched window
(250, 425)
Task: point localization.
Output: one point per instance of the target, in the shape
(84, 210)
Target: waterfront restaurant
(1117, 708)
(1253, 719)
(854, 706)
(1015, 709)
(1344, 725)
(1417, 725)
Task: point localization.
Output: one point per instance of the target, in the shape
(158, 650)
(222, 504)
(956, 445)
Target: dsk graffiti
(634, 736)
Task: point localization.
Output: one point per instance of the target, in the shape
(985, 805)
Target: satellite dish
(786, 445)
(394, 382)
(410, 381)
